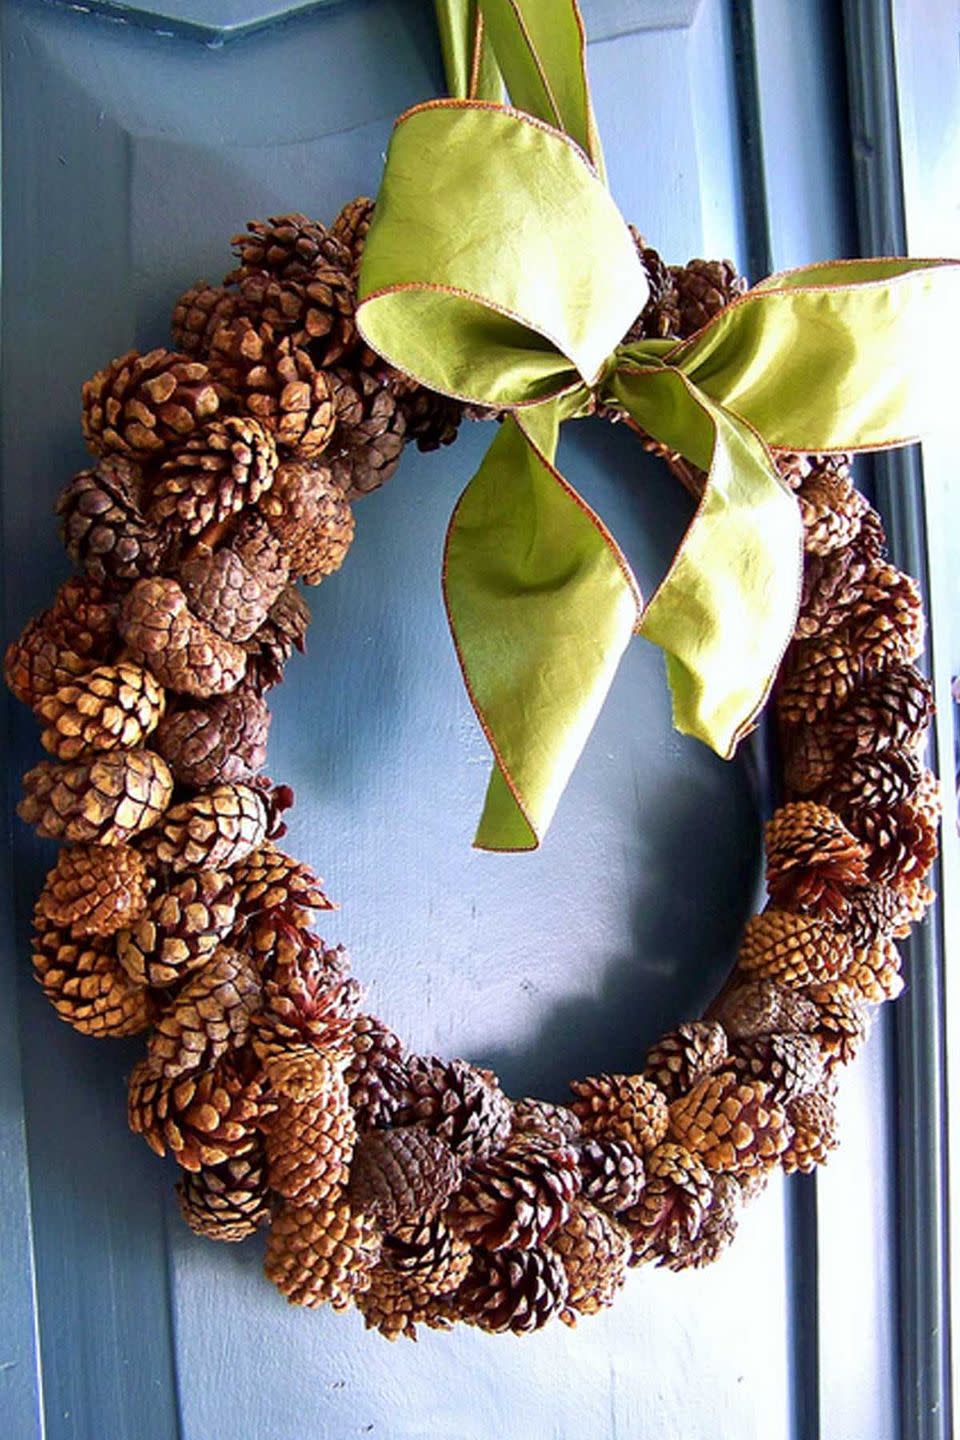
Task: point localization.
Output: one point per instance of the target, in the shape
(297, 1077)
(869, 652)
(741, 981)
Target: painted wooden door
(137, 140)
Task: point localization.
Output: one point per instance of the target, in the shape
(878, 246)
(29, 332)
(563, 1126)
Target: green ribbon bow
(499, 270)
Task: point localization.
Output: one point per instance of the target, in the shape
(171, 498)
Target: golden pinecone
(112, 707)
(795, 950)
(764, 1007)
(183, 652)
(278, 383)
(224, 739)
(818, 677)
(594, 1250)
(556, 1123)
(270, 879)
(310, 1143)
(683, 1056)
(229, 595)
(312, 519)
(305, 1020)
(103, 527)
(208, 1017)
(228, 1201)
(393, 1303)
(319, 1254)
(717, 1229)
(841, 1023)
(212, 830)
(518, 1290)
(181, 930)
(462, 1104)
(352, 224)
(139, 404)
(271, 647)
(813, 1119)
(405, 1176)
(370, 433)
(612, 1174)
(95, 889)
(291, 246)
(107, 799)
(518, 1197)
(374, 1073)
(830, 508)
(668, 1216)
(227, 464)
(204, 1118)
(788, 1065)
(887, 622)
(889, 710)
(86, 986)
(704, 288)
(873, 974)
(813, 861)
(732, 1124)
(628, 1106)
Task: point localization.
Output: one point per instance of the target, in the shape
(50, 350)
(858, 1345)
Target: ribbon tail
(727, 607)
(542, 605)
(471, 69)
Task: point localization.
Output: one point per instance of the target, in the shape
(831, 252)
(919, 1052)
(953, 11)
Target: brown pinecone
(819, 676)
(704, 288)
(717, 1230)
(204, 1118)
(310, 1143)
(278, 384)
(230, 596)
(594, 1251)
(213, 830)
(352, 224)
(830, 508)
(902, 842)
(291, 246)
(795, 950)
(685, 1055)
(277, 938)
(405, 1176)
(873, 782)
(430, 419)
(810, 759)
(311, 518)
(181, 930)
(271, 647)
(732, 1124)
(763, 1007)
(518, 1290)
(832, 586)
(814, 1123)
(269, 879)
(139, 404)
(227, 464)
(841, 1023)
(429, 1255)
(85, 985)
(183, 652)
(628, 1106)
(612, 1174)
(660, 317)
(223, 740)
(375, 1074)
(103, 527)
(813, 861)
(873, 974)
(556, 1123)
(462, 1104)
(228, 1201)
(369, 439)
(322, 1253)
(889, 710)
(107, 799)
(113, 707)
(887, 622)
(670, 1212)
(304, 1022)
(209, 1016)
(39, 662)
(517, 1198)
(789, 1065)
(84, 617)
(876, 912)
(198, 314)
(95, 889)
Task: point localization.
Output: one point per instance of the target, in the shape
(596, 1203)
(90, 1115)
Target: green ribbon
(499, 270)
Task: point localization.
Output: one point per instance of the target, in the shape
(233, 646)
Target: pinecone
(184, 653)
(814, 1121)
(304, 1022)
(841, 1024)
(873, 782)
(889, 711)
(230, 596)
(86, 986)
(717, 1230)
(322, 1253)
(107, 799)
(429, 1256)
(685, 1055)
(902, 842)
(352, 224)
(764, 1007)
(213, 830)
(819, 676)
(375, 1074)
(669, 1215)
(223, 740)
(517, 1198)
(430, 419)
(832, 587)
(704, 288)
(290, 246)
(732, 1124)
(113, 707)
(876, 912)
(273, 644)
(184, 925)
(102, 525)
(310, 1143)
(209, 1016)
(269, 879)
(95, 889)
(405, 1176)
(227, 464)
(873, 974)
(612, 1174)
(204, 1118)
(39, 662)
(228, 1201)
(83, 617)
(198, 314)
(311, 518)
(518, 1290)
(813, 861)
(277, 938)
(795, 950)
(370, 433)
(810, 759)
(628, 1106)
(556, 1123)
(278, 384)
(139, 404)
(830, 508)
(594, 1251)
(462, 1104)
(660, 317)
(788, 1065)
(887, 621)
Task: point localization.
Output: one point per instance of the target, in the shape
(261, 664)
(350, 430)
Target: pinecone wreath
(410, 1186)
